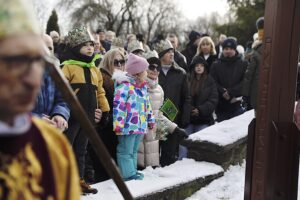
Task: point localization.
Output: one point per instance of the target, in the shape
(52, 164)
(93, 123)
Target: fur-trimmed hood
(121, 76)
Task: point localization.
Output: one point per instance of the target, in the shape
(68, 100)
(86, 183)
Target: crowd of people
(143, 101)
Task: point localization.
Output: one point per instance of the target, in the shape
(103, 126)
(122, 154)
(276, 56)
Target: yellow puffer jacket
(87, 84)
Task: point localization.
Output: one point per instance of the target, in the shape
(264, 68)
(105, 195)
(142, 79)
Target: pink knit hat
(136, 64)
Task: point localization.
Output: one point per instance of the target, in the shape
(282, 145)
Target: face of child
(87, 49)
(206, 47)
(199, 69)
(142, 76)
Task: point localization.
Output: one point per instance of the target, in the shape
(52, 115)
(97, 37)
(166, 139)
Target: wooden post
(275, 156)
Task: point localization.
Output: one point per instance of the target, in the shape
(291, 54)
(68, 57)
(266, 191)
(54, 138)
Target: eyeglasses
(154, 67)
(117, 62)
(21, 64)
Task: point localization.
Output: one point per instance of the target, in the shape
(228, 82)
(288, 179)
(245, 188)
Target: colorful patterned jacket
(132, 112)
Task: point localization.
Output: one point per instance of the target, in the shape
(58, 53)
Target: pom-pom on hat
(136, 64)
(230, 43)
(79, 36)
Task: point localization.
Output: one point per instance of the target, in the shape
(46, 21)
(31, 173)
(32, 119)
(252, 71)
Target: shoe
(86, 188)
(137, 176)
(141, 175)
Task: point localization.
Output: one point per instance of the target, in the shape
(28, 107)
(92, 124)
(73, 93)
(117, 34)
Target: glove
(180, 133)
(151, 126)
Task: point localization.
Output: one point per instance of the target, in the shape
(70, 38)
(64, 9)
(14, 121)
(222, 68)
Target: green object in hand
(169, 109)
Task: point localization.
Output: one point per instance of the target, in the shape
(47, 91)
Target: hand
(98, 115)
(60, 122)
(181, 133)
(226, 95)
(47, 119)
(150, 126)
(195, 112)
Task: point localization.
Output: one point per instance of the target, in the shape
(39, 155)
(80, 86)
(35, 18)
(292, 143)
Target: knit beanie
(162, 47)
(229, 42)
(135, 64)
(194, 35)
(79, 36)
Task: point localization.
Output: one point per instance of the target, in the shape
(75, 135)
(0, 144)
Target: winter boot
(86, 188)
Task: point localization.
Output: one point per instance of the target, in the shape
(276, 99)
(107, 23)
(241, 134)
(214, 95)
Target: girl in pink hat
(132, 114)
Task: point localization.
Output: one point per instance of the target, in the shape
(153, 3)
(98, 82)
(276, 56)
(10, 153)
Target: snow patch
(156, 180)
(225, 132)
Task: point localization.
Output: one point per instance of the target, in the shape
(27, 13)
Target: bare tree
(126, 16)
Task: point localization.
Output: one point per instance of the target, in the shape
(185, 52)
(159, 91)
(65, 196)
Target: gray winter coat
(250, 82)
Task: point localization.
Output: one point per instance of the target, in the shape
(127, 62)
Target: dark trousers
(110, 141)
(169, 150)
(79, 141)
(221, 116)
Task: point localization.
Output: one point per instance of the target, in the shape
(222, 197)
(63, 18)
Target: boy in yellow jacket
(86, 80)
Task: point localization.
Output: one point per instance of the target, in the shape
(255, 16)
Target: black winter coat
(176, 88)
(205, 101)
(180, 60)
(228, 74)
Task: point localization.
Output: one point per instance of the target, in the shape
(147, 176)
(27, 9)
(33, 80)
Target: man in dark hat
(228, 73)
(191, 48)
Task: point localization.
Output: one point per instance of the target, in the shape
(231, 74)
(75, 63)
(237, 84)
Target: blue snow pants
(127, 150)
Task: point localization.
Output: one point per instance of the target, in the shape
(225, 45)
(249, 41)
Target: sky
(195, 8)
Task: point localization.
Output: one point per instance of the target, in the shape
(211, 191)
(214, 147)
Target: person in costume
(36, 160)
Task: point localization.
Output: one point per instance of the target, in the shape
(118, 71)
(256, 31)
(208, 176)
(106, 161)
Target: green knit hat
(79, 36)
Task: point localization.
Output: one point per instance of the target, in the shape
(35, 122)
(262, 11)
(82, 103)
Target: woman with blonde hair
(113, 60)
(206, 49)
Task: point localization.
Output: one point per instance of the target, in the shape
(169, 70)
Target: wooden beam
(276, 99)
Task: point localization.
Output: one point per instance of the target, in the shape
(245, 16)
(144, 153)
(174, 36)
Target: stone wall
(225, 156)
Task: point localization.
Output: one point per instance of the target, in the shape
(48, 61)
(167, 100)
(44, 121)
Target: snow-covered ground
(157, 179)
(228, 187)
